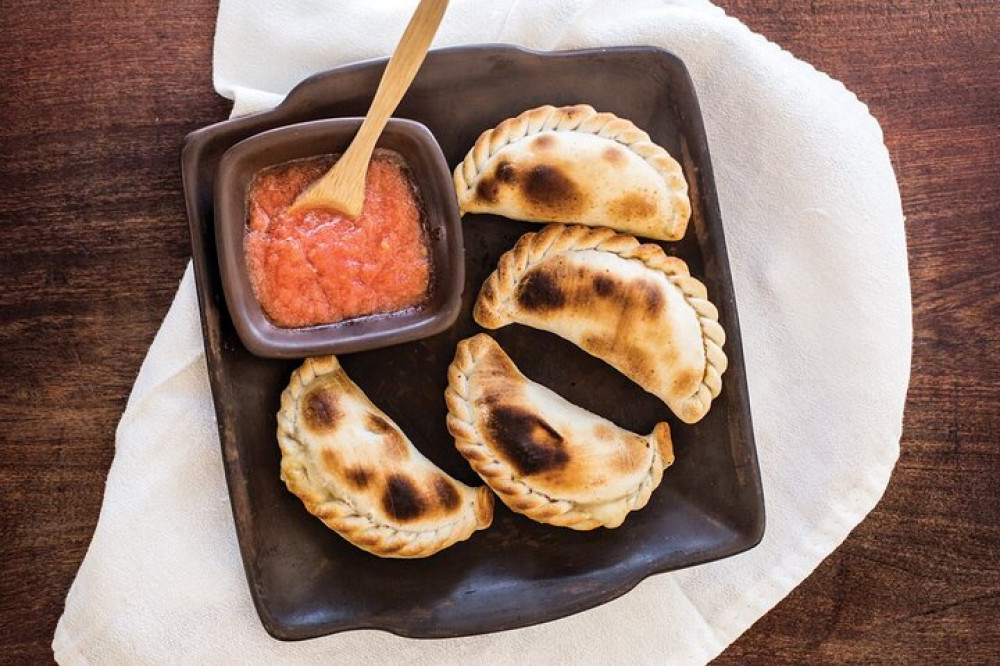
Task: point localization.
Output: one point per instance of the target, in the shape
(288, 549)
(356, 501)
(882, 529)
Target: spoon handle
(399, 73)
(342, 188)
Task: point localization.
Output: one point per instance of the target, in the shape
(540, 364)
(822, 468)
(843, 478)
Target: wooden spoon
(342, 188)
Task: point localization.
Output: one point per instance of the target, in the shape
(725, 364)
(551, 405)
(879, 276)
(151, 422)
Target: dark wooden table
(96, 99)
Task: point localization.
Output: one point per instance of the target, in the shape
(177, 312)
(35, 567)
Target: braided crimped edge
(515, 493)
(531, 249)
(337, 513)
(578, 118)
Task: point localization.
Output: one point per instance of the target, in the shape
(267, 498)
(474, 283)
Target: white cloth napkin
(815, 233)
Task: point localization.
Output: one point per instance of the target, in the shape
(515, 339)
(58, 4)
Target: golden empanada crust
(573, 164)
(545, 457)
(624, 302)
(355, 469)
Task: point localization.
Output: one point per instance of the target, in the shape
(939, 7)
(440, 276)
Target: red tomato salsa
(319, 267)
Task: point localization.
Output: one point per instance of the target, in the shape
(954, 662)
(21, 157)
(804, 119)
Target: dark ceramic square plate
(305, 580)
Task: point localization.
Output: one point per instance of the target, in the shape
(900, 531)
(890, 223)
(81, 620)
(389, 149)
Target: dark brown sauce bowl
(441, 219)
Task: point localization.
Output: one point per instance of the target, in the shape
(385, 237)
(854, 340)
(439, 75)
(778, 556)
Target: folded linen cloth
(815, 233)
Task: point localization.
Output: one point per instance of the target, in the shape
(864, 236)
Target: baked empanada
(543, 456)
(356, 471)
(575, 165)
(626, 303)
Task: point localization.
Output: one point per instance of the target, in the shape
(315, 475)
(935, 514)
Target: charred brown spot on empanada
(596, 344)
(401, 499)
(329, 460)
(320, 411)
(530, 444)
(548, 188)
(603, 285)
(446, 493)
(543, 142)
(644, 295)
(653, 295)
(358, 477)
(506, 173)
(488, 190)
(376, 424)
(395, 446)
(539, 291)
(392, 440)
(632, 206)
(614, 155)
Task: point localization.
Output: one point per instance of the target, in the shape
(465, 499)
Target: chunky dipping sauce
(318, 267)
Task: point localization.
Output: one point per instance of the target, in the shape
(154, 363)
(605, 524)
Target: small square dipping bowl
(440, 217)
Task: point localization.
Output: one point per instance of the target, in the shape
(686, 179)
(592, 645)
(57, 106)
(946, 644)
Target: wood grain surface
(97, 97)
